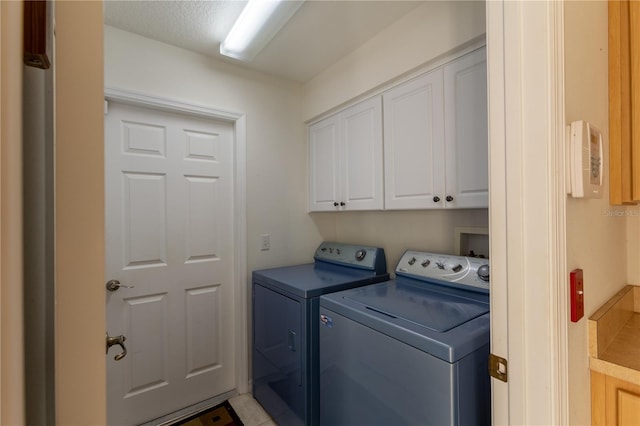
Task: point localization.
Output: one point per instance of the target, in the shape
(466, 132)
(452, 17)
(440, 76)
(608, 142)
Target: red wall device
(576, 295)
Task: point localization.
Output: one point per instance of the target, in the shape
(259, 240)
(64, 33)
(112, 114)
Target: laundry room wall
(425, 34)
(596, 234)
(276, 151)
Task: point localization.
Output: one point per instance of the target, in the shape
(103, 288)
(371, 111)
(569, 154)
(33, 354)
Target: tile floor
(249, 411)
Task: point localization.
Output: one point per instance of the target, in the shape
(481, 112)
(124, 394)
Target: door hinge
(498, 367)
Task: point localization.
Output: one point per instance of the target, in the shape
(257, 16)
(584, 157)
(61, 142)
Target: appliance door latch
(498, 367)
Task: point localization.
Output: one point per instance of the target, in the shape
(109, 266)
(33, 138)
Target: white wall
(276, 138)
(397, 231)
(424, 35)
(633, 244)
(595, 240)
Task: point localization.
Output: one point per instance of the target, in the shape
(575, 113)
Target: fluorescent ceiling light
(257, 24)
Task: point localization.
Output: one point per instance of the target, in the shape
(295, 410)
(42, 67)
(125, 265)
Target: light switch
(576, 296)
(265, 242)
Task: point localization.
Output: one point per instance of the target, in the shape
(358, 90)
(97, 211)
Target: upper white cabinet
(466, 131)
(436, 138)
(345, 159)
(414, 143)
(324, 166)
(435, 145)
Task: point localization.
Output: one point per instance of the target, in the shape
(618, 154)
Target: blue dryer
(410, 351)
(285, 355)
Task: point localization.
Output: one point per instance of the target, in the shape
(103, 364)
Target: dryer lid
(423, 306)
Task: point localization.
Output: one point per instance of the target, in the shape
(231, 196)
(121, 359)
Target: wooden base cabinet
(614, 401)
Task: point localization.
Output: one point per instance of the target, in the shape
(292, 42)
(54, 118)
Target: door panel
(144, 220)
(169, 227)
(148, 365)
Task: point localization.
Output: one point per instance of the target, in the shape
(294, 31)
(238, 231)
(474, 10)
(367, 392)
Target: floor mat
(220, 415)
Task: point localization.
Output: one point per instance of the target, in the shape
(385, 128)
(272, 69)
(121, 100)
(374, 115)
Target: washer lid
(423, 306)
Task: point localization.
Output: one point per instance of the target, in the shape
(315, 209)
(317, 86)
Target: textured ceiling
(318, 35)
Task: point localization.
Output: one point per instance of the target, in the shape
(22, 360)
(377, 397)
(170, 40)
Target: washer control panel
(446, 269)
(362, 257)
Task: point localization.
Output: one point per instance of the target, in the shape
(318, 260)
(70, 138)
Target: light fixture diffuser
(258, 23)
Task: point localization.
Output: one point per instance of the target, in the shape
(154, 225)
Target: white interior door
(169, 234)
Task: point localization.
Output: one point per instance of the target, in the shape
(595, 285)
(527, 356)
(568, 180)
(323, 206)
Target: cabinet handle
(449, 198)
(342, 203)
(436, 199)
(335, 204)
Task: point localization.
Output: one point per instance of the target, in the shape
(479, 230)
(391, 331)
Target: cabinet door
(324, 167)
(466, 130)
(414, 144)
(361, 141)
(622, 402)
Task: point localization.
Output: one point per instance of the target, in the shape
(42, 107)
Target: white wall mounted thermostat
(586, 160)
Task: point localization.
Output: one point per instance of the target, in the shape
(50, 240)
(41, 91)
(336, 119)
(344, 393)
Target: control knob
(360, 254)
(483, 273)
(425, 263)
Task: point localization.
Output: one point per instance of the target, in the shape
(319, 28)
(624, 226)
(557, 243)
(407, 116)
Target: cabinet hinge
(497, 367)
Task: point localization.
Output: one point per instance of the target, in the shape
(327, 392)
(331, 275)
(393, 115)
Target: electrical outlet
(265, 242)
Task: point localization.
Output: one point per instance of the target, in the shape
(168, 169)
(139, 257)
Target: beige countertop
(614, 336)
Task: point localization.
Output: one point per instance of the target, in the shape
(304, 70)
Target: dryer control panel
(361, 257)
(450, 270)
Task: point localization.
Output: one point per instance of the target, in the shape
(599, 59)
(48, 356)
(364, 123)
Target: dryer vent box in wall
(472, 241)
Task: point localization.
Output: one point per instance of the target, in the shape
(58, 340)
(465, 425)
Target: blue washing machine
(285, 355)
(409, 351)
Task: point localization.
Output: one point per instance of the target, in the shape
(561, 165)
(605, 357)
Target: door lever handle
(117, 340)
(113, 285)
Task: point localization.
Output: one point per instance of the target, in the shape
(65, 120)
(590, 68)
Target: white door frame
(238, 120)
(527, 206)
